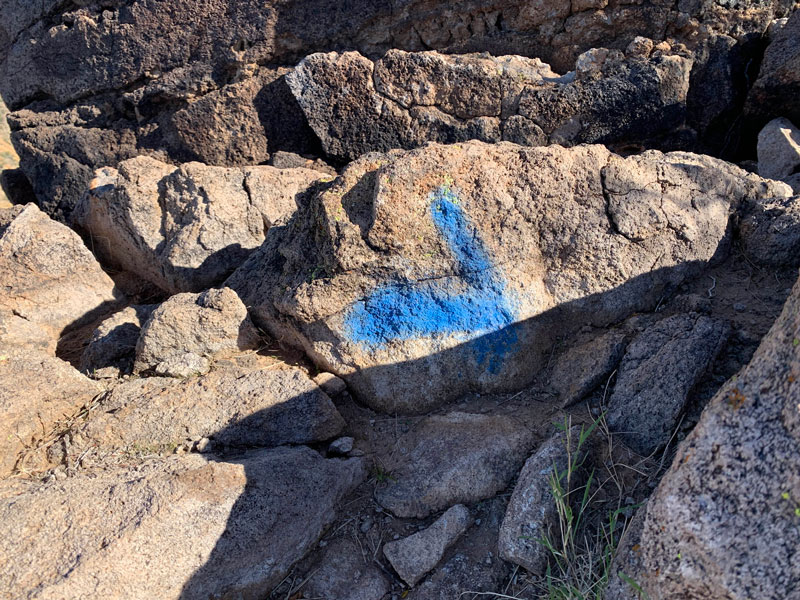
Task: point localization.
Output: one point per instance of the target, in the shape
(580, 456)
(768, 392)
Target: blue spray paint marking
(482, 309)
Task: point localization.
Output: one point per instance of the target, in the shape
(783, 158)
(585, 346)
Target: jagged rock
(112, 347)
(49, 277)
(404, 100)
(101, 83)
(453, 458)
(199, 528)
(585, 366)
(38, 395)
(775, 92)
(203, 325)
(413, 557)
(344, 574)
(770, 231)
(185, 228)
(723, 521)
(232, 406)
(417, 276)
(779, 149)
(659, 369)
(532, 514)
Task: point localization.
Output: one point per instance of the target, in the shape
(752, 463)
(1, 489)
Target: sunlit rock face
(420, 275)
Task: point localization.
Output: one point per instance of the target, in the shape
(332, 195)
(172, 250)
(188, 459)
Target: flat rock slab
(50, 277)
(197, 528)
(585, 366)
(204, 325)
(39, 394)
(413, 557)
(723, 521)
(660, 368)
(405, 99)
(454, 458)
(532, 514)
(232, 406)
(185, 228)
(419, 276)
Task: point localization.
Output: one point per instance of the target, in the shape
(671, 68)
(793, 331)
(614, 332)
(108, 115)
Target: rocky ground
(384, 301)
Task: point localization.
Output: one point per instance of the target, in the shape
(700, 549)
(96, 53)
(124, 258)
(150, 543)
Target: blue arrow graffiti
(475, 303)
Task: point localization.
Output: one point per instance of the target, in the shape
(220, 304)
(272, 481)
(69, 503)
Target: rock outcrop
(723, 521)
(185, 228)
(404, 100)
(418, 276)
(49, 277)
(196, 526)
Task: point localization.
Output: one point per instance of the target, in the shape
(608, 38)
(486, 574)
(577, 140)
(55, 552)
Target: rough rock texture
(413, 557)
(404, 100)
(779, 149)
(417, 276)
(532, 514)
(723, 521)
(585, 366)
(775, 92)
(232, 406)
(458, 457)
(198, 528)
(660, 368)
(770, 231)
(112, 347)
(344, 574)
(38, 395)
(203, 325)
(185, 228)
(48, 276)
(101, 82)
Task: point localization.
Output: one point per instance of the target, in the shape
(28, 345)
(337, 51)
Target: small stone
(330, 384)
(640, 47)
(740, 307)
(341, 446)
(203, 445)
(182, 366)
(322, 543)
(416, 555)
(366, 525)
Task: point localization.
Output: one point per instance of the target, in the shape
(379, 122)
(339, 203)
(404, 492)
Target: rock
(343, 574)
(774, 93)
(585, 366)
(471, 563)
(793, 181)
(661, 366)
(185, 228)
(418, 276)
(404, 100)
(722, 522)
(234, 406)
(38, 395)
(113, 343)
(203, 325)
(182, 366)
(229, 529)
(453, 458)
(532, 514)
(413, 557)
(779, 149)
(49, 277)
(330, 383)
(770, 231)
(342, 446)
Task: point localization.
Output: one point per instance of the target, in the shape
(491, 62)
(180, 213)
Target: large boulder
(775, 92)
(723, 521)
(49, 276)
(94, 83)
(779, 149)
(185, 228)
(197, 528)
(403, 100)
(417, 276)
